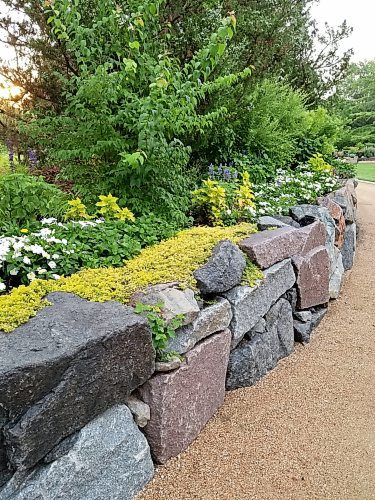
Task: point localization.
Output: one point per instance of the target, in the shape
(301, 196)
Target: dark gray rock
(64, 367)
(349, 247)
(264, 223)
(318, 314)
(212, 319)
(258, 329)
(254, 357)
(303, 316)
(289, 221)
(302, 331)
(61, 449)
(251, 304)
(110, 460)
(305, 323)
(223, 271)
(292, 297)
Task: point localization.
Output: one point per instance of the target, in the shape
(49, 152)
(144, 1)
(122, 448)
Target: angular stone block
(175, 302)
(337, 214)
(254, 357)
(64, 367)
(110, 459)
(265, 222)
(306, 214)
(183, 401)
(313, 271)
(312, 236)
(336, 278)
(223, 271)
(344, 198)
(269, 247)
(349, 247)
(251, 304)
(211, 319)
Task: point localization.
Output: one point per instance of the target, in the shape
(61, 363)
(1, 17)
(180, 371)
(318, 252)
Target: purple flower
(33, 157)
(9, 144)
(235, 174)
(227, 175)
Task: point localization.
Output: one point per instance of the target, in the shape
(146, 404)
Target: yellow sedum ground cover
(171, 260)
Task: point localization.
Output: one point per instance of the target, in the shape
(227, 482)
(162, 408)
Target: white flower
(52, 264)
(45, 231)
(229, 211)
(42, 271)
(51, 220)
(55, 256)
(64, 241)
(2, 287)
(56, 276)
(31, 276)
(13, 272)
(26, 260)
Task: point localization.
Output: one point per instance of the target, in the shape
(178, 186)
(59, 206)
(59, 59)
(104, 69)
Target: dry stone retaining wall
(83, 406)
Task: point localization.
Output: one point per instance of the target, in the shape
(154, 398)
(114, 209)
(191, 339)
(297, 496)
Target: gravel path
(307, 430)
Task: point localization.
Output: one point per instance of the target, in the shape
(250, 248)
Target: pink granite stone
(337, 214)
(313, 271)
(269, 247)
(183, 401)
(312, 236)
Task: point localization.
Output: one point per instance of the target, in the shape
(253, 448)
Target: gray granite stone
(64, 367)
(223, 271)
(212, 319)
(251, 304)
(254, 357)
(349, 248)
(110, 459)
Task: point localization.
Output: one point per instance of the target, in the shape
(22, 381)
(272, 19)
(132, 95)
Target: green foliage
(52, 249)
(271, 121)
(161, 330)
(355, 100)
(318, 164)
(225, 202)
(24, 198)
(130, 105)
(343, 170)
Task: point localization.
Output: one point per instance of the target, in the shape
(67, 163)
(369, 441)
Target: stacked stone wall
(84, 409)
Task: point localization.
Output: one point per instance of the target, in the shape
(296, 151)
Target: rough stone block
(312, 236)
(183, 401)
(251, 304)
(211, 319)
(223, 271)
(307, 214)
(336, 278)
(110, 459)
(175, 302)
(64, 367)
(349, 247)
(344, 198)
(337, 214)
(286, 220)
(254, 357)
(313, 271)
(265, 222)
(269, 247)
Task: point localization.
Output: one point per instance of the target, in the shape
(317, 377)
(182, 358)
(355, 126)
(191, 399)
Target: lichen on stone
(171, 260)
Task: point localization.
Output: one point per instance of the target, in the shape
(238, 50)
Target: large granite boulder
(313, 273)
(307, 214)
(64, 367)
(184, 400)
(251, 304)
(260, 353)
(175, 302)
(223, 271)
(349, 247)
(336, 279)
(109, 459)
(337, 214)
(212, 319)
(269, 247)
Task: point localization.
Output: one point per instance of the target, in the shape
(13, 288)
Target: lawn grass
(366, 171)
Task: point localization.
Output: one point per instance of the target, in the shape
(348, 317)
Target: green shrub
(24, 198)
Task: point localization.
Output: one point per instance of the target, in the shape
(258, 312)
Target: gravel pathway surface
(307, 430)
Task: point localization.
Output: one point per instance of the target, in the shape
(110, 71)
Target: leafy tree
(130, 104)
(355, 100)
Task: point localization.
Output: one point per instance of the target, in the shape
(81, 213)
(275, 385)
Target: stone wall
(84, 409)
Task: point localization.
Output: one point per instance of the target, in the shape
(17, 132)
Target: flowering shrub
(56, 249)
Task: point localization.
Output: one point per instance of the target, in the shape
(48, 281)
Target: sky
(360, 14)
